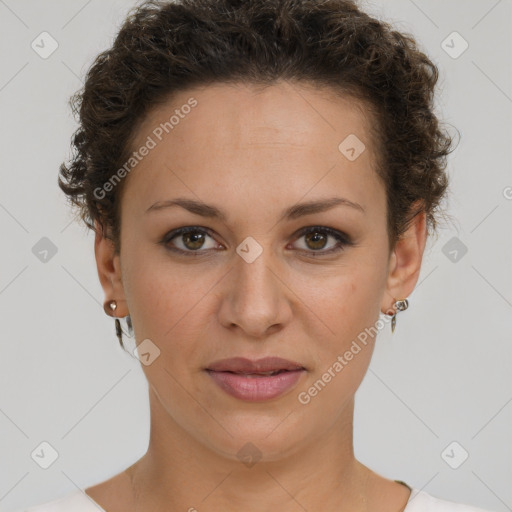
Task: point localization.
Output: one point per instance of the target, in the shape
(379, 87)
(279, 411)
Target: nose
(255, 298)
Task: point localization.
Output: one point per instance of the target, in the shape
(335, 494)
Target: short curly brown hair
(165, 47)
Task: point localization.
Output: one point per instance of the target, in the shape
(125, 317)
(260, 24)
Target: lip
(243, 365)
(236, 376)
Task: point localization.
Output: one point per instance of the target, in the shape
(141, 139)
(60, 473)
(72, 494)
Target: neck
(180, 473)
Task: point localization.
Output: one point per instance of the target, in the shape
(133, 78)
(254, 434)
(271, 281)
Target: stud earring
(400, 305)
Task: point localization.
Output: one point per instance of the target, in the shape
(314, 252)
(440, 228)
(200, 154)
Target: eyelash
(342, 240)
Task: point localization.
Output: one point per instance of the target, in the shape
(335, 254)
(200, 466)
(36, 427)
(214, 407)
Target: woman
(261, 177)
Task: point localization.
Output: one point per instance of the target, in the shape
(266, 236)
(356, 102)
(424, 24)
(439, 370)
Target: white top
(419, 501)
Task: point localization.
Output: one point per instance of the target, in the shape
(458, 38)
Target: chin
(256, 438)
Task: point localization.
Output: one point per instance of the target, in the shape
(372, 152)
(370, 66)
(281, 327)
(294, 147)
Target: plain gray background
(443, 377)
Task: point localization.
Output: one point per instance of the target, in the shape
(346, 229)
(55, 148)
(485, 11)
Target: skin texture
(253, 152)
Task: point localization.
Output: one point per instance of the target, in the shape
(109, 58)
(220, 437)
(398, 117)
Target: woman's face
(250, 282)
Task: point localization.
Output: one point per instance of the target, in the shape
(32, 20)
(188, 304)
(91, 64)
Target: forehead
(280, 139)
(244, 115)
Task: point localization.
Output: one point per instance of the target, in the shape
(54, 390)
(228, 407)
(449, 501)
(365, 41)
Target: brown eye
(188, 240)
(315, 240)
(193, 240)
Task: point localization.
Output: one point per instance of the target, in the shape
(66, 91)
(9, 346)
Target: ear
(108, 264)
(405, 263)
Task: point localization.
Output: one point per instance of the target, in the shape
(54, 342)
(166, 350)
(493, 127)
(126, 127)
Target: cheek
(349, 302)
(350, 310)
(166, 300)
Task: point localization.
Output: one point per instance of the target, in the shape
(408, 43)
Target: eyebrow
(291, 213)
